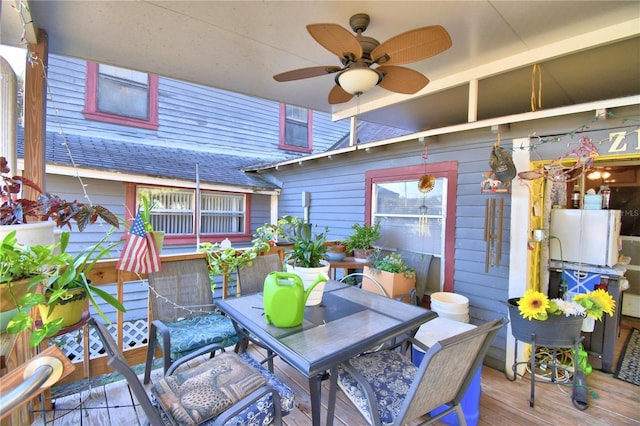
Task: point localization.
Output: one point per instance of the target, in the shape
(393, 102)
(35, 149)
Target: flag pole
(197, 212)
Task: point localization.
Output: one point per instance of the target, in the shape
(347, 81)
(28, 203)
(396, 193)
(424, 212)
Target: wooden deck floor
(613, 402)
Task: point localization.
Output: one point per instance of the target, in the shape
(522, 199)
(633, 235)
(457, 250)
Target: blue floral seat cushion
(390, 375)
(199, 331)
(261, 412)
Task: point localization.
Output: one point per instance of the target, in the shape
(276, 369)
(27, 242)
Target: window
(174, 211)
(221, 213)
(412, 220)
(121, 96)
(408, 218)
(295, 128)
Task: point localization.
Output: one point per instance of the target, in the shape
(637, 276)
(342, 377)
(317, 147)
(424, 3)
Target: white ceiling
(588, 50)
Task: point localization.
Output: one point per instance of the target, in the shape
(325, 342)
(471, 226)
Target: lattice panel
(135, 334)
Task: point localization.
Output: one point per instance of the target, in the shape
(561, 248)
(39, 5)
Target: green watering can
(285, 297)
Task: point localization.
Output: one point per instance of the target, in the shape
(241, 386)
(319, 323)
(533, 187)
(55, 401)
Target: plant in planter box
(362, 240)
(63, 281)
(391, 271)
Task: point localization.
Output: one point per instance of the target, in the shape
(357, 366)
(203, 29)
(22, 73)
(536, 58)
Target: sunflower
(596, 303)
(533, 305)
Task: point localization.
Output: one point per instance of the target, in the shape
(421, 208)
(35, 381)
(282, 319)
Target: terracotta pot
(360, 255)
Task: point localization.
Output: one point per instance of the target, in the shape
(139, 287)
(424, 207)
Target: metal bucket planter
(555, 331)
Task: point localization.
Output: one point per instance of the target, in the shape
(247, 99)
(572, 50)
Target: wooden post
(35, 108)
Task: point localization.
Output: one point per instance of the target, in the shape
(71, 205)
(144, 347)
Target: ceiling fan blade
(338, 95)
(336, 40)
(412, 46)
(301, 73)
(401, 79)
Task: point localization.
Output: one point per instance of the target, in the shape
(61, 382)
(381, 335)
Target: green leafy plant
(309, 247)
(22, 267)
(145, 212)
(363, 236)
(14, 210)
(61, 273)
(223, 259)
(393, 263)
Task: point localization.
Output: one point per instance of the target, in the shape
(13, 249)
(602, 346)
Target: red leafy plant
(14, 210)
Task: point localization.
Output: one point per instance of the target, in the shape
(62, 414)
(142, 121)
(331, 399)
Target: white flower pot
(308, 277)
(588, 324)
(35, 233)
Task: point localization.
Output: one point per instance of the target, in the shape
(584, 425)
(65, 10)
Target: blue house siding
(190, 116)
(337, 201)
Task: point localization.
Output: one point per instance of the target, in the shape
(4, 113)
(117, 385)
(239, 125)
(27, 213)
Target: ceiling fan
(359, 53)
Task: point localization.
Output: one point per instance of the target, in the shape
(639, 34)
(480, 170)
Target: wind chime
(503, 170)
(425, 185)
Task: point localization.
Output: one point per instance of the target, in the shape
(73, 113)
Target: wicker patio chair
(251, 280)
(183, 315)
(251, 277)
(388, 389)
(229, 389)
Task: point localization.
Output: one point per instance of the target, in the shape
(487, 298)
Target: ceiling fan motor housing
(359, 22)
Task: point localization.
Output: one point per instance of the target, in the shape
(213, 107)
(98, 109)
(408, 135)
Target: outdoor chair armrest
(202, 351)
(250, 399)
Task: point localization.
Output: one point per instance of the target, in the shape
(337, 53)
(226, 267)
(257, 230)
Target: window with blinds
(296, 126)
(174, 211)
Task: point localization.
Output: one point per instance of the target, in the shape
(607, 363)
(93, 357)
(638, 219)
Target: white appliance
(586, 236)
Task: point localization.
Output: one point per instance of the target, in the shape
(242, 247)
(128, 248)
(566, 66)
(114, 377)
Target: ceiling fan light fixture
(357, 81)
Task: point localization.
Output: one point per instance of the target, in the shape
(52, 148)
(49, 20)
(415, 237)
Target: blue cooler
(432, 332)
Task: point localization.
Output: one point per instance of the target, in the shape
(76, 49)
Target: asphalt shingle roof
(149, 160)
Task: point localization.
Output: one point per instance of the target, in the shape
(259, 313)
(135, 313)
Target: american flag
(140, 253)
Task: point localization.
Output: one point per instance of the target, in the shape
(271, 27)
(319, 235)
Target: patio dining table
(348, 322)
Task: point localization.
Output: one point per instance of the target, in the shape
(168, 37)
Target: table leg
(331, 404)
(315, 388)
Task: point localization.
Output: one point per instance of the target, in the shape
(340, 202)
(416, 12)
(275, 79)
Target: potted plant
(306, 259)
(392, 272)
(362, 240)
(16, 211)
(21, 267)
(224, 260)
(336, 251)
(32, 241)
(556, 322)
(64, 288)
